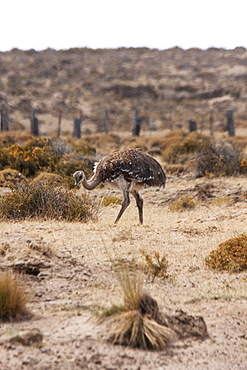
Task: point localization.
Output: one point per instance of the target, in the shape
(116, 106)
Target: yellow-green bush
(230, 255)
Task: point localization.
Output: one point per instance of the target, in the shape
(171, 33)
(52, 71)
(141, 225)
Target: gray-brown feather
(132, 164)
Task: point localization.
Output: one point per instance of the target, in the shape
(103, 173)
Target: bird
(128, 170)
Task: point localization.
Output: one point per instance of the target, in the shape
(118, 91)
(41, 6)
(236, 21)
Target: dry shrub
(48, 178)
(10, 138)
(109, 200)
(180, 145)
(183, 203)
(220, 159)
(156, 265)
(13, 297)
(9, 177)
(46, 202)
(135, 324)
(230, 255)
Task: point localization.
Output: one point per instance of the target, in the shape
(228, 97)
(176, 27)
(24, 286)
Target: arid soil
(70, 278)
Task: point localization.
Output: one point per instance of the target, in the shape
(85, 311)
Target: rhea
(129, 171)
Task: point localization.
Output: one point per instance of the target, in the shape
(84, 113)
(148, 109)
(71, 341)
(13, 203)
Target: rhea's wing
(133, 165)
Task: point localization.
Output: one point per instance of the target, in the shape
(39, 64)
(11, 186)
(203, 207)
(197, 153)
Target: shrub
(9, 177)
(13, 297)
(48, 178)
(220, 159)
(182, 203)
(43, 201)
(156, 265)
(31, 158)
(175, 146)
(230, 255)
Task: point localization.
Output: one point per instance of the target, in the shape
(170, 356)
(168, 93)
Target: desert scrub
(224, 158)
(230, 255)
(13, 297)
(182, 204)
(156, 265)
(37, 155)
(43, 201)
(9, 177)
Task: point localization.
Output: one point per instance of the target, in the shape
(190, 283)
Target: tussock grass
(135, 323)
(13, 297)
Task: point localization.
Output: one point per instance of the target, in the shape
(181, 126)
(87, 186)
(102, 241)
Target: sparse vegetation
(43, 201)
(156, 265)
(182, 203)
(230, 255)
(13, 297)
(108, 200)
(135, 323)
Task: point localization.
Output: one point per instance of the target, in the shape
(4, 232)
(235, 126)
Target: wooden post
(77, 128)
(137, 124)
(211, 124)
(4, 120)
(192, 126)
(230, 122)
(59, 124)
(34, 124)
(106, 122)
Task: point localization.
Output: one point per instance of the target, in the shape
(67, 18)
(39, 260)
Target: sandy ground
(75, 279)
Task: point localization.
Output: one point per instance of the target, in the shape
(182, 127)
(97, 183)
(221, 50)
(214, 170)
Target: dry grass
(13, 297)
(134, 324)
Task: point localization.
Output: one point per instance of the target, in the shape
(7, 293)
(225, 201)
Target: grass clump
(182, 203)
(43, 201)
(110, 200)
(136, 323)
(13, 297)
(230, 255)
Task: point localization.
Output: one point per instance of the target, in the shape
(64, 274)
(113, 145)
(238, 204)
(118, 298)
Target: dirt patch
(76, 279)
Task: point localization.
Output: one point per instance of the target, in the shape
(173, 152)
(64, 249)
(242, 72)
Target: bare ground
(72, 277)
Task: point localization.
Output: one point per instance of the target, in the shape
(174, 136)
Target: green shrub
(230, 255)
(43, 201)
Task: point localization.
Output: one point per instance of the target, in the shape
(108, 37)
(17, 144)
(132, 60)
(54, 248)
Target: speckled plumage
(129, 170)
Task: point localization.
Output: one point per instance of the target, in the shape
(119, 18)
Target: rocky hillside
(169, 87)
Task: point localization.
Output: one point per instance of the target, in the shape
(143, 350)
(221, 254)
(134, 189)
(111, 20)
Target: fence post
(4, 120)
(59, 124)
(106, 122)
(137, 124)
(77, 128)
(34, 124)
(211, 124)
(192, 126)
(230, 122)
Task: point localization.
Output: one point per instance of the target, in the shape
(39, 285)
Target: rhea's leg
(126, 202)
(139, 203)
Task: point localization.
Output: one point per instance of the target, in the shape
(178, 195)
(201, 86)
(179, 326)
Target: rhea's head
(78, 176)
